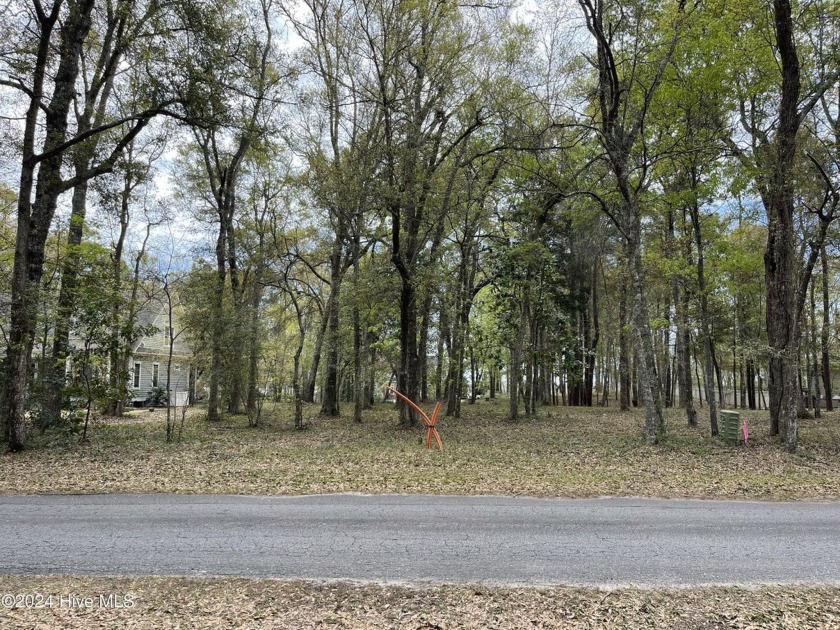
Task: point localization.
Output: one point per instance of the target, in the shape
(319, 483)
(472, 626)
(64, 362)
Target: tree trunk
(120, 341)
(530, 364)
(708, 344)
(443, 335)
(589, 374)
(515, 378)
(814, 370)
(254, 345)
(423, 350)
(90, 114)
(783, 327)
(668, 376)
(34, 219)
(492, 377)
(455, 373)
(740, 342)
(237, 290)
(578, 357)
(648, 379)
(170, 350)
(518, 355)
(408, 377)
(358, 345)
(371, 376)
(721, 397)
(782, 331)
(824, 336)
(67, 297)
(623, 349)
(751, 400)
(697, 377)
(683, 352)
(329, 401)
(465, 293)
(124, 335)
(734, 374)
(213, 397)
(296, 387)
(606, 372)
(309, 389)
(473, 377)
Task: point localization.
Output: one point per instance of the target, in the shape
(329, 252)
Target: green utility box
(730, 426)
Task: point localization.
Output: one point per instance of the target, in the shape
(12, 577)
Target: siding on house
(158, 342)
(151, 349)
(154, 349)
(179, 379)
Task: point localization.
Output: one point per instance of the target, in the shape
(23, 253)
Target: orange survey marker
(431, 431)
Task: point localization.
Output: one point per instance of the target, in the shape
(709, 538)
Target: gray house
(149, 361)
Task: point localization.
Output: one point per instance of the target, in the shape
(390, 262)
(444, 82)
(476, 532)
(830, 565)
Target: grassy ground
(241, 603)
(564, 453)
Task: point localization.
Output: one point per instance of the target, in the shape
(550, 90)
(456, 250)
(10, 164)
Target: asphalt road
(494, 540)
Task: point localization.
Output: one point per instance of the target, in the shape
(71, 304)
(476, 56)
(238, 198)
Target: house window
(136, 376)
(155, 372)
(177, 367)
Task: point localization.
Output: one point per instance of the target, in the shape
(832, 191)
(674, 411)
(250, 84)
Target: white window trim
(155, 369)
(138, 368)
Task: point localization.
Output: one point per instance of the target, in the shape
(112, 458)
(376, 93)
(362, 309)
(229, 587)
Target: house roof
(149, 313)
(155, 313)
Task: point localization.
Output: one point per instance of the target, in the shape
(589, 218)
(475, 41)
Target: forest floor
(563, 453)
(221, 603)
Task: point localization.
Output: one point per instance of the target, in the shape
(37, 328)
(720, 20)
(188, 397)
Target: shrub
(157, 397)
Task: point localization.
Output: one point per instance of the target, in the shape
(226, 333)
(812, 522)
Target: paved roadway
(494, 540)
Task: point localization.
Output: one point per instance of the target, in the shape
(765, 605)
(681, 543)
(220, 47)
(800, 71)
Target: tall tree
(46, 72)
(119, 195)
(773, 156)
(825, 363)
(102, 60)
(628, 78)
(237, 112)
(341, 150)
(418, 55)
